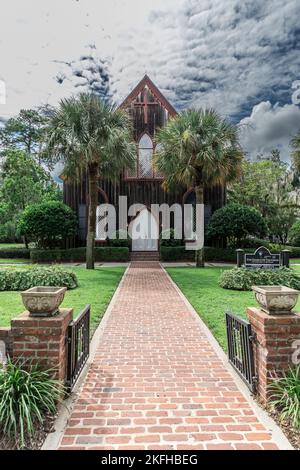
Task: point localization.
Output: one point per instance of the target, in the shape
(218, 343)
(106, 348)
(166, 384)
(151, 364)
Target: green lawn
(11, 245)
(96, 287)
(200, 286)
(14, 260)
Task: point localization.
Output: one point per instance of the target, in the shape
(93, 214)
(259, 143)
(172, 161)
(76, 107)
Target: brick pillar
(273, 347)
(42, 340)
(6, 337)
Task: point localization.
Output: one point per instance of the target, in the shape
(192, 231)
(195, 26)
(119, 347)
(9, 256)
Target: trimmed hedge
(176, 253)
(169, 239)
(120, 241)
(294, 250)
(14, 253)
(255, 243)
(243, 279)
(179, 253)
(105, 253)
(16, 280)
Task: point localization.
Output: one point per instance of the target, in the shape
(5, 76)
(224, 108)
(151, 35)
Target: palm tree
(296, 152)
(198, 149)
(87, 134)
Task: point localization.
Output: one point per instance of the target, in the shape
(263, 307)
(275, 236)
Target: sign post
(262, 258)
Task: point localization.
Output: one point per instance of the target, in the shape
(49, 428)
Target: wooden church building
(149, 110)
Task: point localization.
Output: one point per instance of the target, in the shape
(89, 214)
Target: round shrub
(168, 238)
(243, 279)
(294, 234)
(236, 222)
(122, 238)
(48, 223)
(22, 279)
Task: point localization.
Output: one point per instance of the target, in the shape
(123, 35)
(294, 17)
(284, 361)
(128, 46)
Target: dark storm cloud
(89, 73)
(241, 51)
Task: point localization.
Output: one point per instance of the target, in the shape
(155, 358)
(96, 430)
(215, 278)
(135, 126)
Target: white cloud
(269, 127)
(230, 55)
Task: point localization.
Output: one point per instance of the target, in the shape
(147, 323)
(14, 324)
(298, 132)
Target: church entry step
(144, 256)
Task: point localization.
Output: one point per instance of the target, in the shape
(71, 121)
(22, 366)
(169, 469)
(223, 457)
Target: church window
(144, 165)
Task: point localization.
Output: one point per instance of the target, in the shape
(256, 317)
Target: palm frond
(198, 147)
(84, 130)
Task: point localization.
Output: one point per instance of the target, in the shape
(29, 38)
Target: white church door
(144, 232)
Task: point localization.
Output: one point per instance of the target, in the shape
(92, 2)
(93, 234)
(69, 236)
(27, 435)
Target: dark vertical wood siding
(141, 191)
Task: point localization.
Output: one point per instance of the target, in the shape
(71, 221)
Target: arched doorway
(144, 232)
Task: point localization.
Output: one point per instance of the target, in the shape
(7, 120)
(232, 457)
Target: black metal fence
(240, 348)
(78, 346)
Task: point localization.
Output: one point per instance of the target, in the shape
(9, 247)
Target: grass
(200, 286)
(96, 287)
(14, 260)
(11, 245)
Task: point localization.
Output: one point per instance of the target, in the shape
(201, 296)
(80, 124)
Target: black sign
(262, 258)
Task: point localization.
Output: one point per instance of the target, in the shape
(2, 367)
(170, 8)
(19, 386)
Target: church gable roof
(146, 81)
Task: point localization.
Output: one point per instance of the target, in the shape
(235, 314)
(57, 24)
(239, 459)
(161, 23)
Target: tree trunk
(25, 242)
(199, 254)
(93, 201)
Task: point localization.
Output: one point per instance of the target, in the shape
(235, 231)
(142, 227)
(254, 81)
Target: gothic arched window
(144, 166)
(145, 150)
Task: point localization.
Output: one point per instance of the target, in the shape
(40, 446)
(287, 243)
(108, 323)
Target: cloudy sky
(240, 57)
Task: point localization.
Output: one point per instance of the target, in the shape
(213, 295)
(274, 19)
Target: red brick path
(156, 382)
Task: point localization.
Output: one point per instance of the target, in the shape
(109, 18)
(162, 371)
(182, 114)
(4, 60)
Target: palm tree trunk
(93, 201)
(199, 254)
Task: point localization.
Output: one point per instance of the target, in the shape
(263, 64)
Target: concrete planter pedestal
(276, 300)
(43, 301)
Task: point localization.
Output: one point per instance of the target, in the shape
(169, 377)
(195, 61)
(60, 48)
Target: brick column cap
(256, 314)
(24, 319)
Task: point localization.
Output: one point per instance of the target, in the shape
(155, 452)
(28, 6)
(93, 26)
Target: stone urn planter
(43, 301)
(276, 300)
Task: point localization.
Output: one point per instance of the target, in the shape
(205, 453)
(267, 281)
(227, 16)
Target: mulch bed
(42, 430)
(292, 435)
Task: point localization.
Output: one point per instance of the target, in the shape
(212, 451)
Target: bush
(14, 253)
(22, 279)
(167, 238)
(105, 253)
(235, 222)
(294, 250)
(179, 253)
(120, 241)
(254, 242)
(220, 254)
(8, 233)
(243, 278)
(48, 223)
(285, 396)
(294, 234)
(27, 396)
(176, 253)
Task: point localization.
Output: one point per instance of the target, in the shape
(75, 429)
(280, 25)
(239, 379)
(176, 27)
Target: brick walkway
(156, 381)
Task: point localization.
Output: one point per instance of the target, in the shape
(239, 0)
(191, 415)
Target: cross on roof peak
(146, 83)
